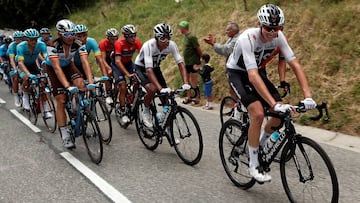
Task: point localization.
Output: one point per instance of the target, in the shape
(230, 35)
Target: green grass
(325, 36)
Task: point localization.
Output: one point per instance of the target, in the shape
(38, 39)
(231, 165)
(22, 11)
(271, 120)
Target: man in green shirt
(192, 53)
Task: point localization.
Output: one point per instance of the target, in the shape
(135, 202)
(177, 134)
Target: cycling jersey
(91, 45)
(150, 56)
(57, 51)
(23, 53)
(107, 47)
(126, 50)
(250, 52)
(40, 39)
(11, 51)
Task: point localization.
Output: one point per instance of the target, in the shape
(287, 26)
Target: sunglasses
(272, 29)
(113, 38)
(130, 36)
(68, 34)
(164, 39)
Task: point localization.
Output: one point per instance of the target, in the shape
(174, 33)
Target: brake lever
(320, 108)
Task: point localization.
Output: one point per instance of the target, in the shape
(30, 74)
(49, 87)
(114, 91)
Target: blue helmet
(44, 30)
(80, 28)
(31, 33)
(18, 34)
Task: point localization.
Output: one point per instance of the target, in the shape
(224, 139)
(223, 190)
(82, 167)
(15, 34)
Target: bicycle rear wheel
(103, 119)
(309, 175)
(50, 121)
(186, 129)
(146, 135)
(227, 109)
(234, 154)
(92, 137)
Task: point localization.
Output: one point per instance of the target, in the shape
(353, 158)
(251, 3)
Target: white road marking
(25, 121)
(99, 182)
(2, 101)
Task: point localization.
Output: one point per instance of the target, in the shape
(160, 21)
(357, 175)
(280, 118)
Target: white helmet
(65, 26)
(162, 30)
(112, 32)
(128, 29)
(271, 15)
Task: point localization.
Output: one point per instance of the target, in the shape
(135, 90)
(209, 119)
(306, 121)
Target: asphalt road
(33, 171)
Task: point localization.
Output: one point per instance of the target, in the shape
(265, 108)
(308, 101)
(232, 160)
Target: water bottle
(271, 141)
(161, 115)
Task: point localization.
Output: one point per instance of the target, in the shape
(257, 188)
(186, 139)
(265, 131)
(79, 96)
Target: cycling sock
(46, 106)
(26, 101)
(263, 137)
(64, 132)
(209, 104)
(253, 152)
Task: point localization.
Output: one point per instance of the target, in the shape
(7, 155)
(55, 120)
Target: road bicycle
(5, 73)
(41, 102)
(179, 126)
(307, 172)
(83, 122)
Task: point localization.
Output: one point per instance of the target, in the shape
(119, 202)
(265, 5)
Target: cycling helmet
(80, 29)
(65, 25)
(271, 15)
(2, 36)
(8, 40)
(162, 30)
(44, 30)
(112, 32)
(31, 33)
(18, 34)
(128, 29)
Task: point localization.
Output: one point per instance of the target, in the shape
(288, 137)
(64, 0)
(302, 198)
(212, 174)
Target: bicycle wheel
(227, 108)
(92, 137)
(146, 135)
(309, 175)
(48, 108)
(32, 113)
(234, 154)
(186, 129)
(103, 120)
(118, 115)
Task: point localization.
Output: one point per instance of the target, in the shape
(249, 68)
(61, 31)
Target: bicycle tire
(118, 117)
(104, 120)
(226, 109)
(236, 155)
(298, 146)
(148, 138)
(92, 135)
(32, 112)
(50, 123)
(191, 130)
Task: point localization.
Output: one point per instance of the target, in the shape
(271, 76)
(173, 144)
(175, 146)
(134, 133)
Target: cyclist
(107, 47)
(4, 58)
(250, 81)
(147, 66)
(27, 53)
(63, 72)
(45, 36)
(18, 37)
(123, 66)
(2, 36)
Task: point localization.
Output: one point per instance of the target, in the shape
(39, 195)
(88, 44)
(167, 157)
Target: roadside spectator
(205, 74)
(192, 53)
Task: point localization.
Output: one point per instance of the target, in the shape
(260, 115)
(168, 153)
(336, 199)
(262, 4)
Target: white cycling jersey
(150, 56)
(249, 51)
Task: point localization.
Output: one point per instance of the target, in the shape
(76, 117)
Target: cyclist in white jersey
(147, 66)
(250, 81)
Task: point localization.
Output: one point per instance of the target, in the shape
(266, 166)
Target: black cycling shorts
(144, 80)
(239, 82)
(190, 69)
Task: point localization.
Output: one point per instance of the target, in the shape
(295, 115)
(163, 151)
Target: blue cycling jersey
(11, 49)
(91, 45)
(24, 54)
(57, 51)
(40, 39)
(3, 50)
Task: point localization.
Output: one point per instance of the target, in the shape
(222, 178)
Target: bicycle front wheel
(234, 154)
(92, 137)
(227, 109)
(146, 135)
(49, 114)
(187, 137)
(32, 113)
(103, 119)
(309, 175)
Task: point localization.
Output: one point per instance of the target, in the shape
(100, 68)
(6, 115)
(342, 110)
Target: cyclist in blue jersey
(4, 58)
(27, 53)
(11, 52)
(63, 73)
(2, 36)
(45, 36)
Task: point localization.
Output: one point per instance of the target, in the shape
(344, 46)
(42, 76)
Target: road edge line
(99, 182)
(25, 121)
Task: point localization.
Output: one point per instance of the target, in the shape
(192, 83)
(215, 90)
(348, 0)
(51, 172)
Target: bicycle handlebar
(320, 107)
